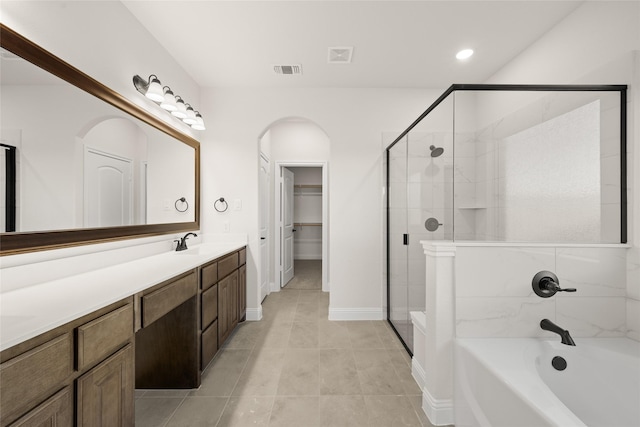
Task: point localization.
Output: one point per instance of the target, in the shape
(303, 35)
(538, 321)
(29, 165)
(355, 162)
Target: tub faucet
(548, 325)
(182, 243)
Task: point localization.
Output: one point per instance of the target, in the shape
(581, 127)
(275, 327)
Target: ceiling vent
(340, 55)
(295, 69)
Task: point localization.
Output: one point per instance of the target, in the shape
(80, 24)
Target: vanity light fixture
(153, 89)
(464, 54)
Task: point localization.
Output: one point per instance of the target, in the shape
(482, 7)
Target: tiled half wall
(494, 296)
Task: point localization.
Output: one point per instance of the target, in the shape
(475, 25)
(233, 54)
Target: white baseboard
(254, 314)
(355, 314)
(418, 373)
(274, 287)
(439, 412)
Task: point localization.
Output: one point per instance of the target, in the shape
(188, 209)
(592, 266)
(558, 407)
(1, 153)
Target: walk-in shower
(503, 163)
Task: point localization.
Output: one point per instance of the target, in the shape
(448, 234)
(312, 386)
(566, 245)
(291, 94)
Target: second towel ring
(183, 200)
(223, 203)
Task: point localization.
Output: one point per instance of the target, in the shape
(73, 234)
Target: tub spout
(548, 325)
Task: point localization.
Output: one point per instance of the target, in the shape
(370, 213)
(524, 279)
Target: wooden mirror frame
(22, 242)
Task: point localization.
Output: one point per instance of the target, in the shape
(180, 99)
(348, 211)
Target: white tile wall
(494, 297)
(633, 293)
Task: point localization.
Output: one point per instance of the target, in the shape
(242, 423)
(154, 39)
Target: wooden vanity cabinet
(167, 343)
(84, 373)
(42, 378)
(223, 301)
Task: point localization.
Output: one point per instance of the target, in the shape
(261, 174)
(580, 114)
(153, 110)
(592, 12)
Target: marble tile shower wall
(493, 192)
(494, 297)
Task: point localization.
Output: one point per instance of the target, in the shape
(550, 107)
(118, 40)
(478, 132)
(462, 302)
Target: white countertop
(33, 310)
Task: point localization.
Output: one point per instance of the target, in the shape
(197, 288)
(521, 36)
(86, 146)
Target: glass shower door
(398, 309)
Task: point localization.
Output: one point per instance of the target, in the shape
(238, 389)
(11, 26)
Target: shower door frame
(621, 89)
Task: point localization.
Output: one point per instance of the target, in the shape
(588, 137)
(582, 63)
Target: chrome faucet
(548, 325)
(182, 243)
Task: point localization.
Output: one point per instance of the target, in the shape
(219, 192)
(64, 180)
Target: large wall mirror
(80, 163)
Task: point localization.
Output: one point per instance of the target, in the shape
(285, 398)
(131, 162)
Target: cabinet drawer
(209, 344)
(209, 275)
(159, 302)
(209, 306)
(56, 411)
(104, 335)
(243, 256)
(227, 264)
(32, 376)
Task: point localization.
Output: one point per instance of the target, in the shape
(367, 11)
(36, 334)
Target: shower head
(436, 151)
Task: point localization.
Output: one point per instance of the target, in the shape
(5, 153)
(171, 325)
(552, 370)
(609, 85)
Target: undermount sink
(203, 249)
(193, 251)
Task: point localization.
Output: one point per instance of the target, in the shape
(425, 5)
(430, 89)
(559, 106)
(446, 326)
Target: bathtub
(510, 382)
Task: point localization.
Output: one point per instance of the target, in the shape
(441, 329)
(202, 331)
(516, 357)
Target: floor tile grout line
(174, 411)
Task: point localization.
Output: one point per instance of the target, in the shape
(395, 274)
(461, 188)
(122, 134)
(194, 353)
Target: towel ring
(222, 201)
(183, 200)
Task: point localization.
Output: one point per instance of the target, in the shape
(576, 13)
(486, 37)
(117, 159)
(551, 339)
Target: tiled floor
(296, 368)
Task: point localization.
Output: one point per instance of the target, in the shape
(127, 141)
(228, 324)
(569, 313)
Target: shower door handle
(405, 239)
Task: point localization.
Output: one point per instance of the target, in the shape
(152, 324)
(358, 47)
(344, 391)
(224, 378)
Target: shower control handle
(545, 284)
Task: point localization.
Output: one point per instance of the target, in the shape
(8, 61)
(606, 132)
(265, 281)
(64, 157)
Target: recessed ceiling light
(464, 53)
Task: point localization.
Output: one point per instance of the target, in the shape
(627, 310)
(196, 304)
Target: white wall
(354, 120)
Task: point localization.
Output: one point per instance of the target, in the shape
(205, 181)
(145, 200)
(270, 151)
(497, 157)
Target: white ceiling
(396, 43)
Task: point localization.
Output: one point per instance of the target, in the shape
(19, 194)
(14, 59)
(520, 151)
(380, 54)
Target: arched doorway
(288, 145)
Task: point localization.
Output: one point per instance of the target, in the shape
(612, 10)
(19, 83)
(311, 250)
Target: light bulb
(199, 124)
(190, 119)
(169, 100)
(181, 111)
(154, 91)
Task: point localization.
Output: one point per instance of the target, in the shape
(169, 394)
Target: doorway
(289, 142)
(301, 212)
(302, 225)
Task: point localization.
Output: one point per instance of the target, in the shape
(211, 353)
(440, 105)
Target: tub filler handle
(545, 284)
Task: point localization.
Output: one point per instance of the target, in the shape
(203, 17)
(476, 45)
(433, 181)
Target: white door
(287, 225)
(107, 190)
(264, 227)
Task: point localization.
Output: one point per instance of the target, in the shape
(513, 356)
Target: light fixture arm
(141, 84)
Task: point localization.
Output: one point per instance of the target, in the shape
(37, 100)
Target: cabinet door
(223, 310)
(233, 301)
(242, 288)
(56, 411)
(105, 393)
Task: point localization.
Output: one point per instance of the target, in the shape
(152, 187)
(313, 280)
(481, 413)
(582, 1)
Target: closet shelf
(307, 224)
(307, 190)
